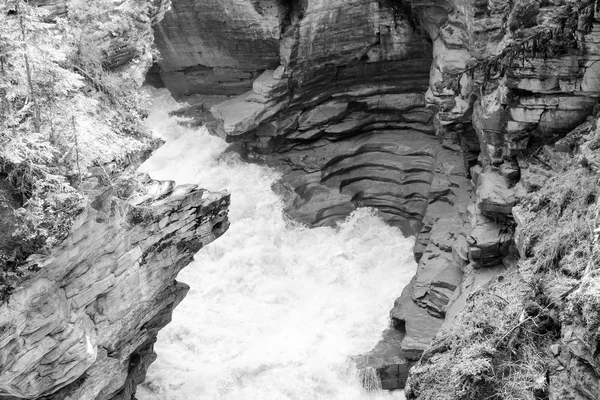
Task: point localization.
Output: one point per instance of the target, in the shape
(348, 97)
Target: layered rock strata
(218, 47)
(513, 115)
(439, 113)
(347, 128)
(84, 325)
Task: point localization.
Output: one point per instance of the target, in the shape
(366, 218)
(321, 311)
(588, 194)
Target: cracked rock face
(342, 80)
(428, 110)
(83, 327)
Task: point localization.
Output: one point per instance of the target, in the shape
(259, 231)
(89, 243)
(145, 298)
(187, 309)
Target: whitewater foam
(275, 310)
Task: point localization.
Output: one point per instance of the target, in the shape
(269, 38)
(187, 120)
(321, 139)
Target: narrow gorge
(441, 115)
(470, 125)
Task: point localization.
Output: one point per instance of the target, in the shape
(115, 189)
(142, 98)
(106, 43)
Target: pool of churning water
(275, 310)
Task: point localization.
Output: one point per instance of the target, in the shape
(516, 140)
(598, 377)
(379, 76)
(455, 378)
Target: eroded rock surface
(86, 322)
(82, 317)
(344, 116)
(442, 114)
(218, 47)
(554, 269)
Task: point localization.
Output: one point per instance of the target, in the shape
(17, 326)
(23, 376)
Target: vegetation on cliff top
(64, 111)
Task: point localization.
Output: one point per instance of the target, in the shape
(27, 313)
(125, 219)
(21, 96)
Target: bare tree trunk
(77, 154)
(36, 108)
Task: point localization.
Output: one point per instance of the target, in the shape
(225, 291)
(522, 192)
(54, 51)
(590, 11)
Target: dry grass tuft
(493, 350)
(561, 229)
(564, 247)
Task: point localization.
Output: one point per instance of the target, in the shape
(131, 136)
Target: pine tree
(36, 117)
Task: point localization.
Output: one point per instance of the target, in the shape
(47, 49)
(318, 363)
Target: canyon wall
(532, 331)
(441, 114)
(447, 116)
(218, 47)
(83, 327)
(333, 115)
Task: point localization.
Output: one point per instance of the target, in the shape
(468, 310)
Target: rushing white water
(275, 310)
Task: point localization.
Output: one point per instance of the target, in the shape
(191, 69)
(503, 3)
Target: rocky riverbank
(531, 331)
(84, 325)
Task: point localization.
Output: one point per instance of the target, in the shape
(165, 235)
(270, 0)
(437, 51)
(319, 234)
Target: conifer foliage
(68, 103)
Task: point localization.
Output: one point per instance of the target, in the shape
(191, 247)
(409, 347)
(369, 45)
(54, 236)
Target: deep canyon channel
(276, 310)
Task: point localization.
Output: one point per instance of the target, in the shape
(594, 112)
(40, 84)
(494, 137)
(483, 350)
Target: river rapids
(275, 310)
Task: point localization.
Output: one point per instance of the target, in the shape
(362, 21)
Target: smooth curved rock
(218, 47)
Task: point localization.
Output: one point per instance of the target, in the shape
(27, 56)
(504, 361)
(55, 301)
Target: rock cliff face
(531, 332)
(442, 114)
(218, 47)
(445, 115)
(344, 116)
(79, 320)
(83, 327)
